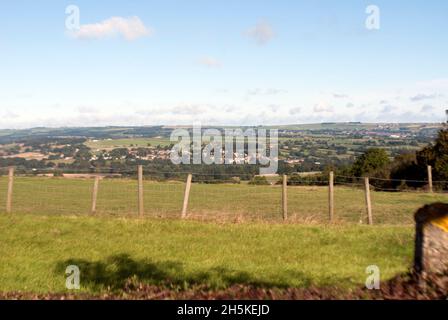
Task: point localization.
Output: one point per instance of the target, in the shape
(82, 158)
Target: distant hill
(116, 132)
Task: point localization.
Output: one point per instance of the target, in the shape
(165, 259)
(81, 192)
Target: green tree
(436, 155)
(372, 163)
(405, 167)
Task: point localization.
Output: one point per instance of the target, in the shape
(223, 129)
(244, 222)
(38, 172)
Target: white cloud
(87, 110)
(421, 97)
(210, 62)
(340, 95)
(9, 115)
(295, 111)
(265, 92)
(274, 108)
(130, 28)
(264, 107)
(440, 84)
(387, 109)
(188, 110)
(262, 33)
(427, 108)
(25, 96)
(323, 107)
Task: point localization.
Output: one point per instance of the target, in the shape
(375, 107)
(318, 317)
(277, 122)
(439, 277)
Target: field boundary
(280, 200)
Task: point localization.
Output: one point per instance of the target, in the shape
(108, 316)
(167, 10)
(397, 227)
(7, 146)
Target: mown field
(218, 202)
(180, 255)
(127, 143)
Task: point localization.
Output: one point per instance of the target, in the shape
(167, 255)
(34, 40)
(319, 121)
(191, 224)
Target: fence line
(390, 179)
(285, 197)
(430, 179)
(110, 170)
(204, 200)
(10, 190)
(368, 201)
(140, 192)
(95, 194)
(186, 196)
(331, 196)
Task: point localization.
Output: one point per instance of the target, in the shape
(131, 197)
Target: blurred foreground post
(140, 191)
(331, 196)
(95, 194)
(186, 196)
(431, 240)
(368, 202)
(285, 197)
(10, 189)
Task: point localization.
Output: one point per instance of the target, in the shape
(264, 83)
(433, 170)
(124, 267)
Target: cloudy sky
(221, 62)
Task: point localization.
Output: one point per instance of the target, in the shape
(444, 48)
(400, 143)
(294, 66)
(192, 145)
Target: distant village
(309, 149)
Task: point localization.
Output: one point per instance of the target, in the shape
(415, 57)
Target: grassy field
(243, 241)
(127, 143)
(36, 249)
(53, 196)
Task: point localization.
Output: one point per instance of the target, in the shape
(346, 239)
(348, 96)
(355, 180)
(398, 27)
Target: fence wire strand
(213, 199)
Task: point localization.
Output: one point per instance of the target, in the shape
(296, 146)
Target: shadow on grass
(114, 271)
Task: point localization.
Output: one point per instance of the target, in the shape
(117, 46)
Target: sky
(232, 62)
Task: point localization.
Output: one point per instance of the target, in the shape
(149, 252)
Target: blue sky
(221, 62)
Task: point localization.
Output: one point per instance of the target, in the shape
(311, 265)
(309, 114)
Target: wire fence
(210, 199)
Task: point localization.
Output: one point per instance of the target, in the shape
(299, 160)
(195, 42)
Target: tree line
(405, 171)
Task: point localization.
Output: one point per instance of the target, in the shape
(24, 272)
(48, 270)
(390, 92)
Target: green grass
(36, 249)
(50, 228)
(53, 196)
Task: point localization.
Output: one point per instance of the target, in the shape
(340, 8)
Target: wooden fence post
(430, 189)
(95, 194)
(368, 202)
(331, 196)
(285, 197)
(186, 196)
(10, 189)
(140, 191)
